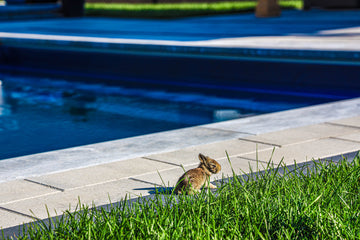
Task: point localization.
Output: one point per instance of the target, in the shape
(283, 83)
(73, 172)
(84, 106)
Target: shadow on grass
(155, 190)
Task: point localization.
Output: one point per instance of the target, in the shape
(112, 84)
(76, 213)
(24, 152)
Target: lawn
(280, 203)
(175, 10)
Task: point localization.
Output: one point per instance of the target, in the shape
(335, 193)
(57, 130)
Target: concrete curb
(175, 48)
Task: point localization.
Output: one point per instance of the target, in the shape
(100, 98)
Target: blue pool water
(41, 114)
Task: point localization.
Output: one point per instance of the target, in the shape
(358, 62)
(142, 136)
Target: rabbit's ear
(202, 158)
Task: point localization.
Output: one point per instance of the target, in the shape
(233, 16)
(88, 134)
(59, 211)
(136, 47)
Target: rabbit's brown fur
(193, 180)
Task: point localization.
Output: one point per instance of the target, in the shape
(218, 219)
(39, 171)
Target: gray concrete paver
(188, 156)
(302, 134)
(350, 137)
(99, 195)
(238, 166)
(21, 189)
(322, 148)
(166, 178)
(101, 173)
(352, 122)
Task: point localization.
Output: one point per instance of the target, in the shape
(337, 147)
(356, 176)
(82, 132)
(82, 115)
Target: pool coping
(237, 48)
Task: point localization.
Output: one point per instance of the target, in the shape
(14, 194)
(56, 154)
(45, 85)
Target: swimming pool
(39, 114)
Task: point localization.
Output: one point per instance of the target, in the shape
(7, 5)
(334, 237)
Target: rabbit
(193, 180)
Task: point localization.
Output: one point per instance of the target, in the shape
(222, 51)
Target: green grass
(291, 204)
(175, 10)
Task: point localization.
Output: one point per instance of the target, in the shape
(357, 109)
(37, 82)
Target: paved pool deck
(110, 170)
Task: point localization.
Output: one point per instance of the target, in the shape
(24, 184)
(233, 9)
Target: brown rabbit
(192, 181)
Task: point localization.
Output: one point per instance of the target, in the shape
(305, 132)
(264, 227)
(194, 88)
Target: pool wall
(192, 68)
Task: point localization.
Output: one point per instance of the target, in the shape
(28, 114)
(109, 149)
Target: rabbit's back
(193, 179)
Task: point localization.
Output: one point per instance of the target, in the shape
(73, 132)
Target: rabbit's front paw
(212, 186)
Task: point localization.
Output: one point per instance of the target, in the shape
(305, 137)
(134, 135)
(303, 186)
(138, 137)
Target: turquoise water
(41, 114)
